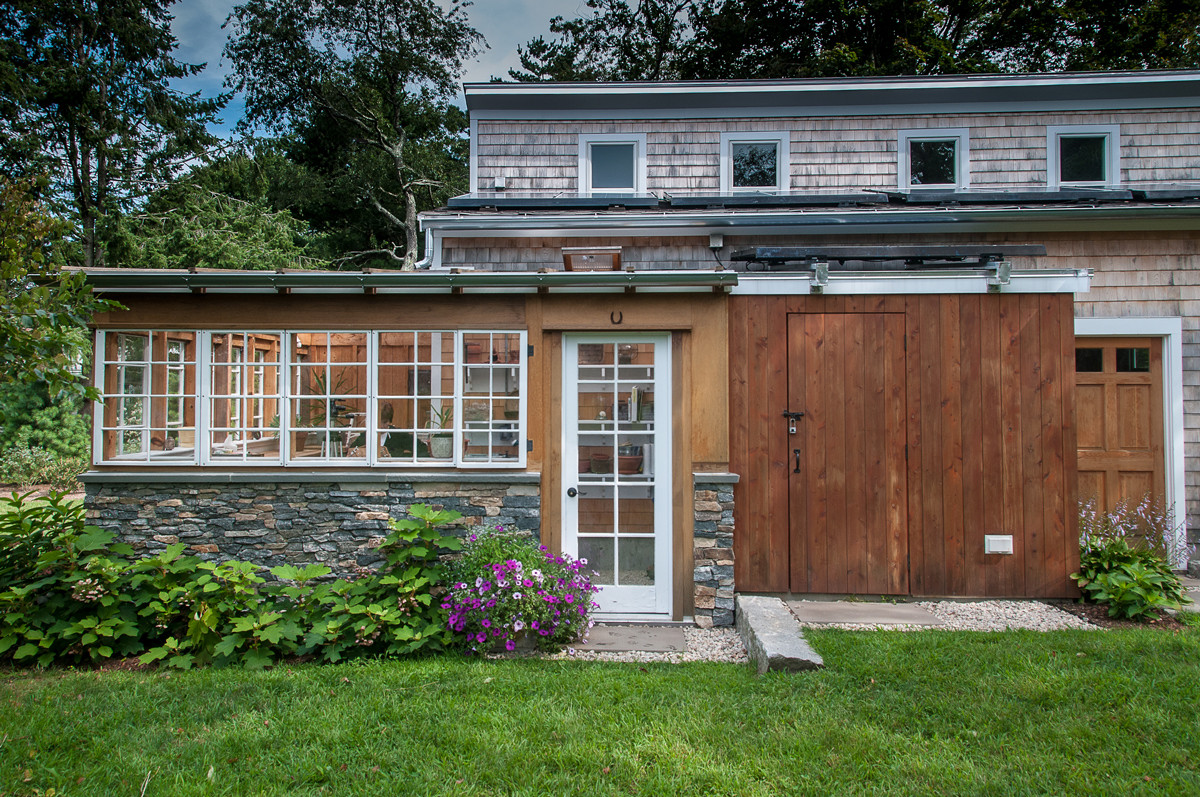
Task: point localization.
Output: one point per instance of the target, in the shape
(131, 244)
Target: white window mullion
(101, 376)
(204, 395)
(285, 398)
(460, 387)
(372, 391)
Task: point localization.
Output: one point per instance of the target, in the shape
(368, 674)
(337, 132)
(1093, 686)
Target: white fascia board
(860, 283)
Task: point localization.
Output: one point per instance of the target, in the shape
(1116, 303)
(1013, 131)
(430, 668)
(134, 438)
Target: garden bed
(1097, 614)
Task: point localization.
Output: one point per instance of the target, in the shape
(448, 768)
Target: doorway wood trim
(1170, 329)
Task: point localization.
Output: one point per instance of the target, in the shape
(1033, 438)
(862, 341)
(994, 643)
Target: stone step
(773, 637)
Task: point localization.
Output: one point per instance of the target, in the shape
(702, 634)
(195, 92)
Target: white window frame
(1112, 154)
(962, 149)
(783, 144)
(585, 162)
(203, 397)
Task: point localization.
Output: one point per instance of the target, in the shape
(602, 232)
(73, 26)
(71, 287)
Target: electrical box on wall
(998, 543)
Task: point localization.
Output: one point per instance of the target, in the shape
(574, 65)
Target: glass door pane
(619, 520)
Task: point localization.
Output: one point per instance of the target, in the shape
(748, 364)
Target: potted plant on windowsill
(441, 444)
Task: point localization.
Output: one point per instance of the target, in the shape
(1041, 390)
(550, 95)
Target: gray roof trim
(117, 280)
(842, 220)
(835, 96)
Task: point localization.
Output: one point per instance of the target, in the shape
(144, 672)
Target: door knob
(572, 492)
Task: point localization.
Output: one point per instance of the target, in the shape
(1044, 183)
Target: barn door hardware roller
(792, 417)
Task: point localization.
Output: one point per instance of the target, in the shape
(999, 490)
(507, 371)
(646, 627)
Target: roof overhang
(324, 283)
(860, 283)
(835, 96)
(823, 221)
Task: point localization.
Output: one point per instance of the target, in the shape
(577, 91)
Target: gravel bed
(701, 644)
(982, 616)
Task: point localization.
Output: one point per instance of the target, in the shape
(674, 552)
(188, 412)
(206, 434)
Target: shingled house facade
(818, 337)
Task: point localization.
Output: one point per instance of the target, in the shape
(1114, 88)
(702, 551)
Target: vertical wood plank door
(847, 491)
(1119, 410)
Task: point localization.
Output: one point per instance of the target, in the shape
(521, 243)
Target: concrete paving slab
(1192, 586)
(647, 638)
(862, 613)
(774, 639)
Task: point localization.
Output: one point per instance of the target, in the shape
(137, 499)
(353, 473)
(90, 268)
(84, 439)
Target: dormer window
(933, 159)
(754, 162)
(612, 163)
(1083, 155)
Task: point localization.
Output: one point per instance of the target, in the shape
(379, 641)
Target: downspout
(426, 262)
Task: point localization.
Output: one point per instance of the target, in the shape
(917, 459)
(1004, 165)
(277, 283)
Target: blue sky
(504, 23)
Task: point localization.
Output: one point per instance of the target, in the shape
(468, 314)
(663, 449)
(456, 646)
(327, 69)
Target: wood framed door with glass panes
(617, 467)
(1119, 416)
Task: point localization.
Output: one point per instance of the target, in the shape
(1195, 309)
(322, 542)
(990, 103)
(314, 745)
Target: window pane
(612, 166)
(1089, 361)
(1133, 360)
(755, 164)
(1081, 159)
(932, 162)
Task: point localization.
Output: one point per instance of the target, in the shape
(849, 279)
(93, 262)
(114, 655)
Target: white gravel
(701, 644)
(983, 616)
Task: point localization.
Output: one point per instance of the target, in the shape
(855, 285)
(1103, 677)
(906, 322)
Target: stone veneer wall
(292, 518)
(712, 547)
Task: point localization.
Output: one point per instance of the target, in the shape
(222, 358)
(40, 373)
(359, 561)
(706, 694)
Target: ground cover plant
(1126, 557)
(70, 595)
(1014, 713)
(505, 588)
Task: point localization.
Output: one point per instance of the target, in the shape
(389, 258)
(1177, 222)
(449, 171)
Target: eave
(120, 280)
(835, 96)
(812, 221)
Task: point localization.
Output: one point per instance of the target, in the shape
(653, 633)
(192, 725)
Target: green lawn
(894, 713)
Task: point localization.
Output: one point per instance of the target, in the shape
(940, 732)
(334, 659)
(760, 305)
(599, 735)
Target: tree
(726, 39)
(223, 214)
(617, 42)
(87, 96)
(367, 83)
(44, 311)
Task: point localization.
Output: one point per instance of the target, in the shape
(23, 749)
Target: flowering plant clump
(506, 587)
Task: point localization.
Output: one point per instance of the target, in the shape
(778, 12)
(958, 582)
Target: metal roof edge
(653, 222)
(1147, 88)
(117, 280)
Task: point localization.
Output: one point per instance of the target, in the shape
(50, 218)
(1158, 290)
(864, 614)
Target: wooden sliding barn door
(848, 488)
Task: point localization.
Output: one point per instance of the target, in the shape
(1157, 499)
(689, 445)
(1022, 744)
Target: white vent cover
(998, 543)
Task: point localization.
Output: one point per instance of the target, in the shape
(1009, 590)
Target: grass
(894, 713)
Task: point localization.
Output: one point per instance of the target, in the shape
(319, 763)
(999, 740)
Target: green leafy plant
(24, 465)
(1125, 559)
(69, 594)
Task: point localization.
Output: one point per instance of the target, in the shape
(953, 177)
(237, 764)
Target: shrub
(69, 594)
(29, 417)
(505, 587)
(23, 465)
(1125, 559)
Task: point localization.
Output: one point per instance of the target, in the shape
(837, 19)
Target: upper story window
(299, 398)
(934, 158)
(612, 163)
(1083, 155)
(754, 162)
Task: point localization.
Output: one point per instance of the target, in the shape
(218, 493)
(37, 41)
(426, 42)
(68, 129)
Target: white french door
(617, 467)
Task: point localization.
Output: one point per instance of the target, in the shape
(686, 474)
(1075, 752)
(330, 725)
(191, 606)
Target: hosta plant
(1125, 560)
